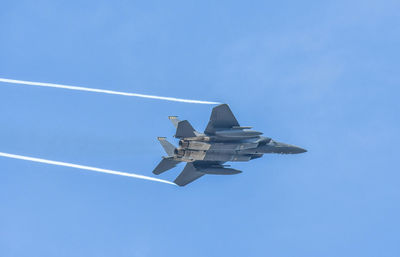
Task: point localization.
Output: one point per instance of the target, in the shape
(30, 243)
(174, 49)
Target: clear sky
(323, 75)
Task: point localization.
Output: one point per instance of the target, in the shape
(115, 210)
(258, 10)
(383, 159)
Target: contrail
(32, 159)
(40, 84)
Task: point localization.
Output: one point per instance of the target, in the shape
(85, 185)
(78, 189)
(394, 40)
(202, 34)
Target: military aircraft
(224, 140)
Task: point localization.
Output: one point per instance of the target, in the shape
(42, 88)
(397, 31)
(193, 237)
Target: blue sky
(323, 75)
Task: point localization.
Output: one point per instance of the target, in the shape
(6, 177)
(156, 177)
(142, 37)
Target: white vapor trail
(41, 84)
(32, 159)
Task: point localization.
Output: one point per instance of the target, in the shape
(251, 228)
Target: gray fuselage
(236, 146)
(223, 140)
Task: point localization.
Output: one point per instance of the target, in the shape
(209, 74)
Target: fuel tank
(237, 133)
(219, 171)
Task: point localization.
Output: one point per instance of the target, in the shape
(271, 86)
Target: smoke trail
(32, 159)
(40, 84)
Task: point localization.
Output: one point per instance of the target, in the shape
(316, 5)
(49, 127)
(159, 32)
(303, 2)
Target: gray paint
(224, 140)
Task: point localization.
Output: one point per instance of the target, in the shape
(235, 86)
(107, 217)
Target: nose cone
(289, 149)
(296, 149)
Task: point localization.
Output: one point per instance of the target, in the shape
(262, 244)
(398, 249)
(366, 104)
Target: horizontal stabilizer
(168, 147)
(184, 130)
(164, 165)
(188, 175)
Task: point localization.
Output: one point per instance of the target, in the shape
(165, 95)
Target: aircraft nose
(289, 149)
(296, 149)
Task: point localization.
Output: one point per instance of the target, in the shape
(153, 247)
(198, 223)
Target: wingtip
(178, 185)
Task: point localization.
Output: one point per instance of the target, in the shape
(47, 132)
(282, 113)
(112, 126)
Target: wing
(188, 175)
(165, 164)
(221, 118)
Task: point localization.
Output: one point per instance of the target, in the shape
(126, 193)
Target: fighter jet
(224, 140)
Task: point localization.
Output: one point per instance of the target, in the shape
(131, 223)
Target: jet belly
(233, 146)
(215, 151)
(218, 156)
(216, 146)
(226, 156)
